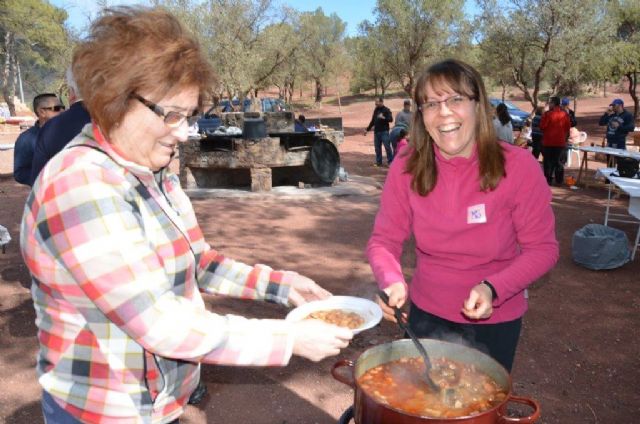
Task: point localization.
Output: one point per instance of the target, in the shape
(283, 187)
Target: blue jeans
(394, 137)
(379, 139)
(55, 414)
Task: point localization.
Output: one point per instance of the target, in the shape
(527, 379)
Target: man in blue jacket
(45, 106)
(60, 130)
(619, 123)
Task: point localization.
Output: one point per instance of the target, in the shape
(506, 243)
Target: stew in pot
(465, 390)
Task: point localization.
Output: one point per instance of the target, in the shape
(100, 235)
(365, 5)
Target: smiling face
(452, 123)
(144, 138)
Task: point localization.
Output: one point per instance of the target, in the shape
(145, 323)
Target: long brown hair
(465, 80)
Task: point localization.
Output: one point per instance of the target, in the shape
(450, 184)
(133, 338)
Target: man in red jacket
(555, 126)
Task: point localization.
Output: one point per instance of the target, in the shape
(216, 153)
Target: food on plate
(400, 384)
(338, 317)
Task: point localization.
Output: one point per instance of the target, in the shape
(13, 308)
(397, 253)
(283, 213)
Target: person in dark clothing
(619, 123)
(564, 105)
(555, 125)
(45, 106)
(380, 121)
(60, 130)
(300, 124)
(536, 132)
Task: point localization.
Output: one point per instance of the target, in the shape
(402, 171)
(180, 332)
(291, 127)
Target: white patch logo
(476, 214)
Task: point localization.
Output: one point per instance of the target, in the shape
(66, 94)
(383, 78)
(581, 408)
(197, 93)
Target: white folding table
(606, 150)
(630, 186)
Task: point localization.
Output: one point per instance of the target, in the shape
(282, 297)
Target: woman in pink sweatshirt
(479, 211)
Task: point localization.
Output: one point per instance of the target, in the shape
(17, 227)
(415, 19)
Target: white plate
(367, 309)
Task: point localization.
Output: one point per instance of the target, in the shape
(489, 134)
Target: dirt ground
(579, 354)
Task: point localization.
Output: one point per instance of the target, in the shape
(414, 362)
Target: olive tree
(412, 33)
(557, 43)
(246, 41)
(624, 49)
(324, 51)
(35, 43)
(367, 64)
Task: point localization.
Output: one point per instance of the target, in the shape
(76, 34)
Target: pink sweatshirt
(464, 235)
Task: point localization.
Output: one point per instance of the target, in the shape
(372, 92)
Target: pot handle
(341, 378)
(525, 401)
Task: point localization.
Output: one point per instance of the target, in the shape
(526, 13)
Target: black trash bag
(597, 246)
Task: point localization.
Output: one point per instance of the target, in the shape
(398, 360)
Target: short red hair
(136, 49)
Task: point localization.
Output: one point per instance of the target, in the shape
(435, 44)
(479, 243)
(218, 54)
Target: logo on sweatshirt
(476, 214)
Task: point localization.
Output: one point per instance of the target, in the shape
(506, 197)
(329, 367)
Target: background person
(619, 123)
(536, 132)
(402, 122)
(479, 211)
(502, 124)
(115, 251)
(555, 125)
(45, 106)
(380, 121)
(564, 105)
(300, 124)
(59, 130)
(402, 141)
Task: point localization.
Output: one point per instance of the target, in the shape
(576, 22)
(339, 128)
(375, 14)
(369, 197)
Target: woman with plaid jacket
(117, 257)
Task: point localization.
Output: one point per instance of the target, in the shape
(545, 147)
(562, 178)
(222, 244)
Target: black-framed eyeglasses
(171, 118)
(56, 108)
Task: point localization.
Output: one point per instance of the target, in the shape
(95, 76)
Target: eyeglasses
(453, 103)
(171, 118)
(56, 108)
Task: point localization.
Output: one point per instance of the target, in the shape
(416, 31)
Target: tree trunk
(290, 91)
(8, 80)
(633, 81)
(318, 90)
(409, 87)
(504, 89)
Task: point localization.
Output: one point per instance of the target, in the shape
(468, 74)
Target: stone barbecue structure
(268, 153)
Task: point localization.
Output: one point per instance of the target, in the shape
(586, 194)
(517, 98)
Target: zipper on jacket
(146, 380)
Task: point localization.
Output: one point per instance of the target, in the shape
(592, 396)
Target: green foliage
(624, 59)
(528, 42)
(368, 68)
(34, 39)
(324, 51)
(250, 43)
(413, 33)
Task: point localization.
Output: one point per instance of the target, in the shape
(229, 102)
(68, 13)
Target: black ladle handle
(427, 362)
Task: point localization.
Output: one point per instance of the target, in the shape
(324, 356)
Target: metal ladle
(427, 362)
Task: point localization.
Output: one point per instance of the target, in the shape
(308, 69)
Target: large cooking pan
(325, 160)
(368, 411)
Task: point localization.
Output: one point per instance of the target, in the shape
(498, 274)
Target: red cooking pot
(369, 411)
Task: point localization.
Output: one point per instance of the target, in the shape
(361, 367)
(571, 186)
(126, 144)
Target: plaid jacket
(117, 260)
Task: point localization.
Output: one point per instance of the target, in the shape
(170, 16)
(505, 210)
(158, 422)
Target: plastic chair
(575, 142)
